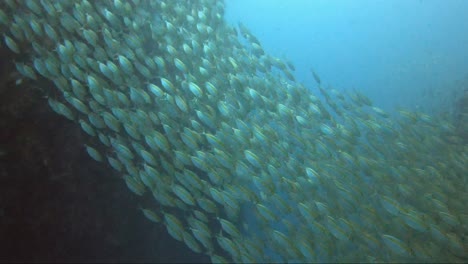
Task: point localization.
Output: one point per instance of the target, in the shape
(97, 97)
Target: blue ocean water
(317, 176)
(400, 53)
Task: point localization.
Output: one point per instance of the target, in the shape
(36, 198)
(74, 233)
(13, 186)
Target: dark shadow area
(56, 203)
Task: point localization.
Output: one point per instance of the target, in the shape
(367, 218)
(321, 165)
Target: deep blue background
(398, 52)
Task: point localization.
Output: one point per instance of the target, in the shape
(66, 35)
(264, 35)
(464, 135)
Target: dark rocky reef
(56, 203)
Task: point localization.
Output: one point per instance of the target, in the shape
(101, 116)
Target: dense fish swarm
(244, 163)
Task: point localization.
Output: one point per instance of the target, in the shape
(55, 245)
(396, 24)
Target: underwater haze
(398, 52)
(310, 131)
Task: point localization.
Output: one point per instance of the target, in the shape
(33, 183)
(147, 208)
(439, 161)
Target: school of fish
(244, 163)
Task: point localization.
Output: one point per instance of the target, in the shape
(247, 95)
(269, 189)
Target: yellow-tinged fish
(336, 230)
(135, 185)
(195, 89)
(266, 213)
(415, 220)
(174, 226)
(228, 245)
(252, 158)
(449, 219)
(183, 194)
(396, 245)
(94, 153)
(191, 242)
(390, 205)
(203, 238)
(230, 228)
(151, 215)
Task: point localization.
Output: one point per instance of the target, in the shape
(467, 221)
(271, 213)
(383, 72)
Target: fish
(316, 77)
(94, 153)
(252, 158)
(174, 226)
(183, 194)
(11, 44)
(396, 245)
(242, 162)
(151, 215)
(229, 228)
(134, 185)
